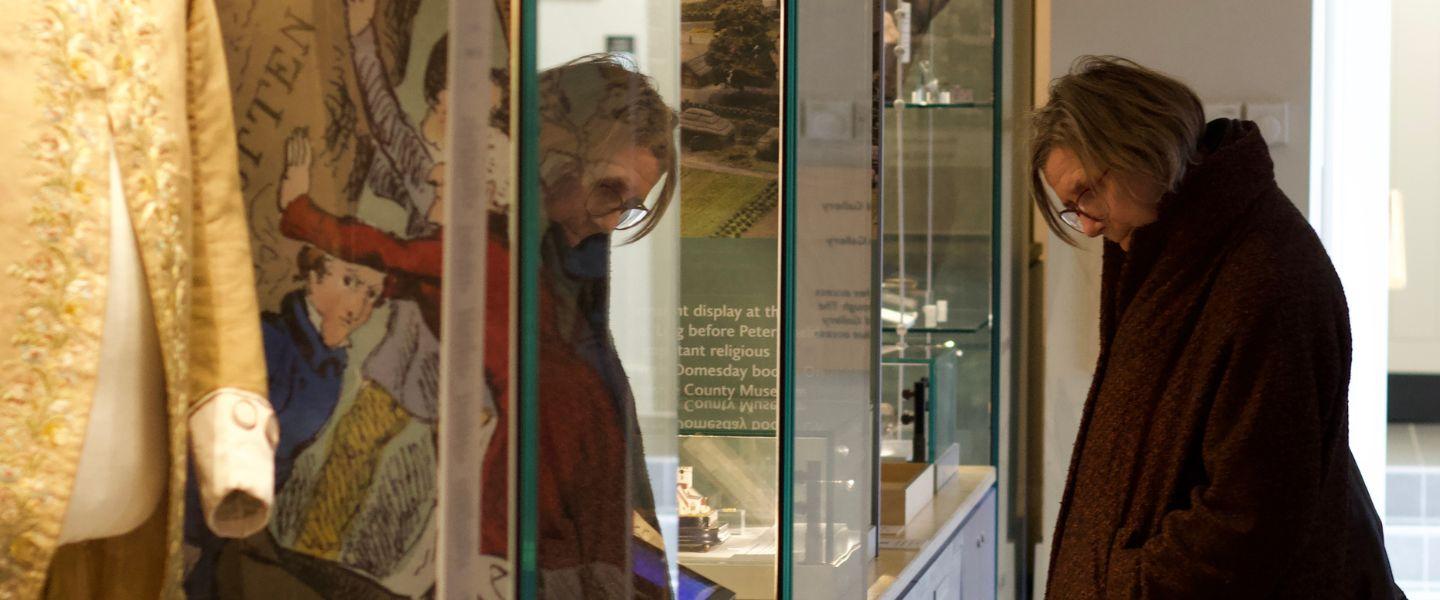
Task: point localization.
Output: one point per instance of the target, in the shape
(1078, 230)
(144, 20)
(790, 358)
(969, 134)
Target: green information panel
(727, 337)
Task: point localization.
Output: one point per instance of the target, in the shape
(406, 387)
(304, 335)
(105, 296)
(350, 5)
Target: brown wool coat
(1213, 459)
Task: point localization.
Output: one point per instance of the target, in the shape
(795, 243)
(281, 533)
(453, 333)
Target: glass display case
(937, 280)
(714, 311)
(708, 266)
(727, 445)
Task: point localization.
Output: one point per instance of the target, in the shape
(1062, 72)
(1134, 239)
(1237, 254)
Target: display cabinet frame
(527, 457)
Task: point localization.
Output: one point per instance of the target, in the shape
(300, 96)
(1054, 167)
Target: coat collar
(1212, 202)
(294, 309)
(1216, 194)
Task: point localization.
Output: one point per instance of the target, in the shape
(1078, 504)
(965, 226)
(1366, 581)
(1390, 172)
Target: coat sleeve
(1262, 452)
(355, 241)
(403, 151)
(232, 428)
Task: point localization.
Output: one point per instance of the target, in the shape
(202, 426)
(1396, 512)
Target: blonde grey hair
(1116, 115)
(596, 105)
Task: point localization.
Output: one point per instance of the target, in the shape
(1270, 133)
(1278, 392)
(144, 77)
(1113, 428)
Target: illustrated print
(341, 120)
(400, 377)
(306, 344)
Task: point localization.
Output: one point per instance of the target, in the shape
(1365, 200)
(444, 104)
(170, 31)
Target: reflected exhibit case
(621, 298)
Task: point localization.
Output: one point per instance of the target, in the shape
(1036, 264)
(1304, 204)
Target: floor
(1412, 508)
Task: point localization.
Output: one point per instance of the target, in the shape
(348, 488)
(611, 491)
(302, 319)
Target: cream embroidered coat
(146, 78)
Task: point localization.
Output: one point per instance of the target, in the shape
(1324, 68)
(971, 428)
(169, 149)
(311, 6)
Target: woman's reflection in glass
(606, 145)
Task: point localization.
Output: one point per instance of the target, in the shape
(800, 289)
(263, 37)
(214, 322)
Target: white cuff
(232, 440)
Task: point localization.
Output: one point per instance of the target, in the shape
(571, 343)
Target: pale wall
(1415, 160)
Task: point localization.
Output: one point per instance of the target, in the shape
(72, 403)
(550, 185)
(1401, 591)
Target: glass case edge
(527, 409)
(786, 433)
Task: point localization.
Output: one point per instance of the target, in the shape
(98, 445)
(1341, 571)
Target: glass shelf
(938, 105)
(977, 328)
(938, 223)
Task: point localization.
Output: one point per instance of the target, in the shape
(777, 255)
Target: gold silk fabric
(145, 79)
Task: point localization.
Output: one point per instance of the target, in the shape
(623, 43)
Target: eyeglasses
(632, 210)
(1071, 216)
(632, 215)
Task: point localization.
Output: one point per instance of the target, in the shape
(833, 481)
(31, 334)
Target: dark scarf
(1212, 459)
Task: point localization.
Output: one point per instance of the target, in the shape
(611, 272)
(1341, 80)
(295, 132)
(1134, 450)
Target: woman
(1212, 459)
(606, 142)
(605, 145)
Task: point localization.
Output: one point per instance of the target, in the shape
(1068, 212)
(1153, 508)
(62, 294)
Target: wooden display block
(905, 488)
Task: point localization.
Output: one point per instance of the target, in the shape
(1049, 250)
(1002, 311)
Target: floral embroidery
(98, 74)
(147, 151)
(58, 333)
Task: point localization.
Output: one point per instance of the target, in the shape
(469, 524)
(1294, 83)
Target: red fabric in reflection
(584, 514)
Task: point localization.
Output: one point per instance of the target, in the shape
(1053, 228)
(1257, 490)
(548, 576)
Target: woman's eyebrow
(615, 180)
(1050, 191)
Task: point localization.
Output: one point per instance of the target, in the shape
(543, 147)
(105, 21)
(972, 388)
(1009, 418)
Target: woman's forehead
(635, 164)
(1050, 193)
(1062, 169)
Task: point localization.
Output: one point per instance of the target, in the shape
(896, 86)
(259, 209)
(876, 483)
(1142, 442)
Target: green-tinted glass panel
(831, 243)
(956, 370)
(729, 497)
(655, 357)
(604, 262)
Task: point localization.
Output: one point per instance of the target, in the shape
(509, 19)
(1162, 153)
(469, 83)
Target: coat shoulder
(1276, 259)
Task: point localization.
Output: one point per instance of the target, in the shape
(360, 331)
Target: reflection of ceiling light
(959, 353)
(898, 318)
(949, 343)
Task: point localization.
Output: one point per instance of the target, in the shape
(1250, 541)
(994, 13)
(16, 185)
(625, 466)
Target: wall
(1415, 156)
(1228, 51)
(586, 23)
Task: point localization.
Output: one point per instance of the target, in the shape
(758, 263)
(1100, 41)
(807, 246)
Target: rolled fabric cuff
(233, 434)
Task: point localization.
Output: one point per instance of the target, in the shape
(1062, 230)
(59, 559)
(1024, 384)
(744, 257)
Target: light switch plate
(1222, 110)
(1273, 120)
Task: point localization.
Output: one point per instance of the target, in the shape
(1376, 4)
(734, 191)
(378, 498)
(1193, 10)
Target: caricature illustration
(341, 116)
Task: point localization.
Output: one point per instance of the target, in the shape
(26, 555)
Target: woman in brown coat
(1213, 459)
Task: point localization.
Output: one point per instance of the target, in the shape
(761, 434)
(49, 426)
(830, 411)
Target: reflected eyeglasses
(632, 213)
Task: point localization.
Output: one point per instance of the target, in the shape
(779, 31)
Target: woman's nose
(1090, 226)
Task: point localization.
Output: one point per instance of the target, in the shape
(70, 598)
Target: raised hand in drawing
(296, 180)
